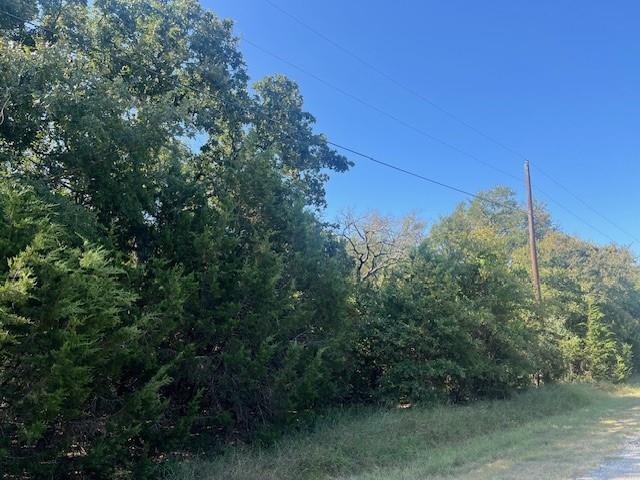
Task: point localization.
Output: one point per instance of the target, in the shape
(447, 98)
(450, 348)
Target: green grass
(551, 432)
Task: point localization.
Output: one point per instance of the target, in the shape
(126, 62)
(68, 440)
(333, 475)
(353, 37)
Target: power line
(583, 202)
(416, 129)
(456, 189)
(576, 216)
(379, 110)
(53, 32)
(419, 176)
(393, 80)
(342, 147)
(402, 122)
(339, 90)
(441, 109)
(373, 107)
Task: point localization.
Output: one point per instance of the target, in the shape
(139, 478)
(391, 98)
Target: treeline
(156, 300)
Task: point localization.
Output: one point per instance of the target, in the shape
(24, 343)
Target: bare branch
(378, 243)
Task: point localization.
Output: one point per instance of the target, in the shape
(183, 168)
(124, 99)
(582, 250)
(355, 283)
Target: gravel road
(625, 464)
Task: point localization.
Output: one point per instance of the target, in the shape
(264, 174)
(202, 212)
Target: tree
(447, 322)
(377, 243)
(90, 111)
(606, 358)
(195, 294)
(578, 276)
(499, 210)
(68, 335)
(283, 130)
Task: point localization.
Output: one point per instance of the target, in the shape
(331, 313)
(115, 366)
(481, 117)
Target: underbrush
(345, 443)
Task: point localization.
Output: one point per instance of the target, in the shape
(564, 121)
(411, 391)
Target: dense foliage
(167, 283)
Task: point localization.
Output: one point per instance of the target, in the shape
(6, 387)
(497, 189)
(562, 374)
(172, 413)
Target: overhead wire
(369, 105)
(402, 122)
(453, 116)
(418, 175)
(345, 148)
(392, 79)
(587, 205)
(379, 110)
(423, 133)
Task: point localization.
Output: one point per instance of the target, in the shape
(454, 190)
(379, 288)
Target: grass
(552, 432)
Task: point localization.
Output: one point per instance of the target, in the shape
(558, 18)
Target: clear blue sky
(556, 80)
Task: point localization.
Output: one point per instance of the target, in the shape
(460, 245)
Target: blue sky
(558, 81)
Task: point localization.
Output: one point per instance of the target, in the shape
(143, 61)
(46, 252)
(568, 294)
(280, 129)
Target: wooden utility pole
(532, 234)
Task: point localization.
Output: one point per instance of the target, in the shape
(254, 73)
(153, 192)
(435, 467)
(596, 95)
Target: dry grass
(552, 432)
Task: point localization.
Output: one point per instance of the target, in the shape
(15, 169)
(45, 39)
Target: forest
(159, 299)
